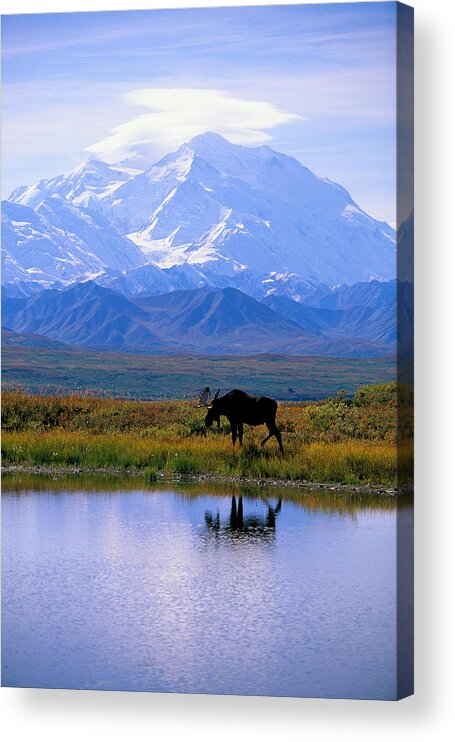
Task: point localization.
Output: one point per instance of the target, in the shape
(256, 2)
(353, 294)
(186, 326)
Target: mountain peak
(90, 164)
(211, 145)
(238, 160)
(210, 140)
(104, 170)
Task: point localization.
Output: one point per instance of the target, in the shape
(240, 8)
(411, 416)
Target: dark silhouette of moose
(262, 527)
(242, 409)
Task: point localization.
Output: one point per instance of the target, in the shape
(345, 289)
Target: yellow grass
(349, 461)
(333, 441)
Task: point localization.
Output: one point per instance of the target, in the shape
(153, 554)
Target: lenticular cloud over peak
(176, 115)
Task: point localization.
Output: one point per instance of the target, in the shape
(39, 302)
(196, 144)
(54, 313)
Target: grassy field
(295, 378)
(352, 441)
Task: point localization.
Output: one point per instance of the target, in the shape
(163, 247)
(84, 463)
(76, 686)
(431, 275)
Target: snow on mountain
(86, 185)
(237, 208)
(374, 294)
(58, 241)
(212, 212)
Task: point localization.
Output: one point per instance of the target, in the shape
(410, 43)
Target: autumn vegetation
(352, 440)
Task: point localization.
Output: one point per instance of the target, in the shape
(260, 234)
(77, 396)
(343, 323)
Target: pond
(115, 585)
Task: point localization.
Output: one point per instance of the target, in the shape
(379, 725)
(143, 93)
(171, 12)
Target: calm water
(196, 592)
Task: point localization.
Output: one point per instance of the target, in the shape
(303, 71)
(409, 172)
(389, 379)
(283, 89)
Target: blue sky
(315, 81)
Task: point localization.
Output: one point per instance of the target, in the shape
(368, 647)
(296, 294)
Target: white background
(76, 715)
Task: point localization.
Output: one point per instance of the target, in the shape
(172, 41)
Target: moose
(241, 409)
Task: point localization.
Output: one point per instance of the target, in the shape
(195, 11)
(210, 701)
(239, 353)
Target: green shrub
(150, 475)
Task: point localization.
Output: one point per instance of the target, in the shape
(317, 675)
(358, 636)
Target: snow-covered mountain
(86, 185)
(58, 241)
(212, 213)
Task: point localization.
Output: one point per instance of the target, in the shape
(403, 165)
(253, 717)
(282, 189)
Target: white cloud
(178, 114)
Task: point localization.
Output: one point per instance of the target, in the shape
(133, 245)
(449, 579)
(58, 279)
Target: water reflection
(327, 501)
(239, 524)
(132, 587)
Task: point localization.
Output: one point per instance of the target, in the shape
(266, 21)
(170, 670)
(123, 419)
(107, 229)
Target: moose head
(213, 414)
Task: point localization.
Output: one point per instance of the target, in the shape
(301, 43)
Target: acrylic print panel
(207, 350)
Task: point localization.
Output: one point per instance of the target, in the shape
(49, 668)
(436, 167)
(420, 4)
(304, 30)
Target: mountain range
(209, 321)
(210, 214)
(216, 249)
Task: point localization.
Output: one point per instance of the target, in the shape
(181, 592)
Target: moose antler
(204, 399)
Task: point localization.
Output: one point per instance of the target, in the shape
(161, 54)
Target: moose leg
(240, 427)
(273, 431)
(266, 438)
(280, 442)
(270, 427)
(234, 433)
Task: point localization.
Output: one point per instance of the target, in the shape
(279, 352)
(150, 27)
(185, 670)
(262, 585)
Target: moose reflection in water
(239, 525)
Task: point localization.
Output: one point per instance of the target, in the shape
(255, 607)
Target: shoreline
(367, 489)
